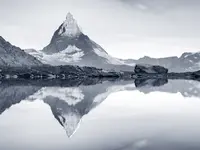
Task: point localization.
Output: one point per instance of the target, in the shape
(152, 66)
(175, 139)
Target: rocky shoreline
(91, 73)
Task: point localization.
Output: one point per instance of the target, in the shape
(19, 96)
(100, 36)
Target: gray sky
(125, 28)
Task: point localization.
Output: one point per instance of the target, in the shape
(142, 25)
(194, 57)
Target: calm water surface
(109, 116)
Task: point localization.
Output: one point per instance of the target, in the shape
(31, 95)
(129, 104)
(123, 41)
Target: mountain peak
(69, 16)
(69, 27)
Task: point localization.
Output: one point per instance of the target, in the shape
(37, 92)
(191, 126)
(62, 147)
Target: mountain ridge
(13, 56)
(188, 61)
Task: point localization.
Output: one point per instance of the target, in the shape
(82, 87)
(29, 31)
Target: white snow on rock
(71, 49)
(72, 96)
(71, 54)
(186, 56)
(69, 27)
(110, 59)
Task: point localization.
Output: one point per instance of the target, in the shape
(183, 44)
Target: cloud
(142, 7)
(165, 4)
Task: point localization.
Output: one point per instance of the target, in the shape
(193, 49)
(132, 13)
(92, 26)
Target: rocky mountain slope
(12, 56)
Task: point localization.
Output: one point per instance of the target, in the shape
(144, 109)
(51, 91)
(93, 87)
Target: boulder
(141, 69)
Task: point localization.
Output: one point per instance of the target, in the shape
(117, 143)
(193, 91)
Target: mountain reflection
(70, 100)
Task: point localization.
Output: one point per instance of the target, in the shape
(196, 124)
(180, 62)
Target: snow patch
(71, 96)
(191, 61)
(186, 56)
(71, 54)
(70, 49)
(109, 58)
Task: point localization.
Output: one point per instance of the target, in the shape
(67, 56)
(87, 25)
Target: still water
(119, 115)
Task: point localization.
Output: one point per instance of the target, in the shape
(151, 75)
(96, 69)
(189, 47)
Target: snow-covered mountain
(186, 62)
(69, 45)
(12, 56)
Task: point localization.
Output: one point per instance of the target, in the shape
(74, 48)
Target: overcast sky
(124, 28)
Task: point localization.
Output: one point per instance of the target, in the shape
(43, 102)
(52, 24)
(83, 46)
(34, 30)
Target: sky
(124, 28)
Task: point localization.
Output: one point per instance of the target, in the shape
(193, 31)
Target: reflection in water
(70, 102)
(187, 88)
(13, 94)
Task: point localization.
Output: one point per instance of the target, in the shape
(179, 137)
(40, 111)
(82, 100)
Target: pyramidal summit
(70, 46)
(69, 27)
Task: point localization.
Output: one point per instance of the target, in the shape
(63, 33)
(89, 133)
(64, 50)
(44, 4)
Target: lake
(112, 115)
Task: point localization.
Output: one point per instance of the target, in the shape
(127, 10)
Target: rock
(141, 69)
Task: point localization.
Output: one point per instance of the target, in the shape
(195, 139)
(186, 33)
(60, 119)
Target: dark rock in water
(140, 69)
(150, 82)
